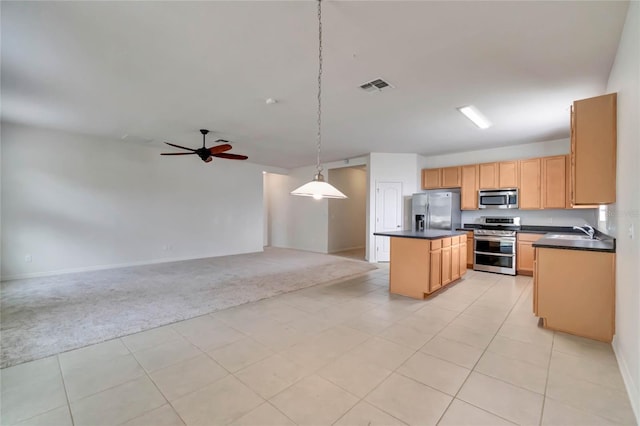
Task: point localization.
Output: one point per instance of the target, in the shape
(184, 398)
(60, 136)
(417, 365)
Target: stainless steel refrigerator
(435, 210)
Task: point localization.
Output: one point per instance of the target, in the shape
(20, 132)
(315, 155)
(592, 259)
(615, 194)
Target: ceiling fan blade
(220, 148)
(208, 160)
(221, 141)
(177, 153)
(231, 156)
(181, 147)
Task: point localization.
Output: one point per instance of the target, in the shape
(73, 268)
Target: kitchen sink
(574, 237)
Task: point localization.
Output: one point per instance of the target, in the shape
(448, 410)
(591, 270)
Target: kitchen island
(423, 262)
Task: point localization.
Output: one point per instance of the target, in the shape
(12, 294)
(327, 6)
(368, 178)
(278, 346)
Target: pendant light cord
(319, 136)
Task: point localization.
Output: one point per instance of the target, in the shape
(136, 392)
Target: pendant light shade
(318, 188)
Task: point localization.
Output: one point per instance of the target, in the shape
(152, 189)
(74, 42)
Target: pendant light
(318, 188)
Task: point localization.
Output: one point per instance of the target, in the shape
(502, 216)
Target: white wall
(515, 152)
(626, 212)
(300, 222)
(76, 202)
(569, 217)
(385, 167)
(348, 218)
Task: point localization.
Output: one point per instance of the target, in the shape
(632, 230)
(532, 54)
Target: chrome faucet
(587, 229)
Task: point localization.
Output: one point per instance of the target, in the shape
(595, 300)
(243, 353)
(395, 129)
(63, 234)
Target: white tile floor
(344, 354)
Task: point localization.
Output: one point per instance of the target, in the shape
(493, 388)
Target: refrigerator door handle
(428, 217)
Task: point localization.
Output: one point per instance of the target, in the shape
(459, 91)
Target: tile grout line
(409, 357)
(546, 382)
(471, 369)
(66, 394)
(481, 355)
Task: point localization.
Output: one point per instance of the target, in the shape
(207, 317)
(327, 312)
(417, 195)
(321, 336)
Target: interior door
(388, 216)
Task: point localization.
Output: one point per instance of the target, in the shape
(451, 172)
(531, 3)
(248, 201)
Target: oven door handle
(495, 239)
(495, 254)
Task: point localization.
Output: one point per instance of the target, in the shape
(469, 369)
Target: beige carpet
(45, 316)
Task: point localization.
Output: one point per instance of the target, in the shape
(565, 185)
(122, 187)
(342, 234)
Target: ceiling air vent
(376, 85)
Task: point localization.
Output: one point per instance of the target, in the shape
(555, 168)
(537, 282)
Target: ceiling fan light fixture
(318, 188)
(473, 114)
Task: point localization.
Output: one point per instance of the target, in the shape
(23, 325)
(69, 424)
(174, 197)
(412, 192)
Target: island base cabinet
(409, 267)
(574, 292)
(419, 267)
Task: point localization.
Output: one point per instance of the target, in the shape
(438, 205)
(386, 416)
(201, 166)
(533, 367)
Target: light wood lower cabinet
(574, 292)
(470, 244)
(524, 252)
(435, 262)
(420, 267)
(463, 255)
(446, 265)
(455, 261)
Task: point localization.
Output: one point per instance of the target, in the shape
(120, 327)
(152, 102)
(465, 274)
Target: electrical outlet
(28, 258)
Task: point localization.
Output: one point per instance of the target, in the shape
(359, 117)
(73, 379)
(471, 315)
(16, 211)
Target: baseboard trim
(632, 390)
(346, 248)
(114, 266)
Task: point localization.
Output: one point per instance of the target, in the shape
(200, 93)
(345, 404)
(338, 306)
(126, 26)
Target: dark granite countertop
(604, 243)
(534, 229)
(424, 235)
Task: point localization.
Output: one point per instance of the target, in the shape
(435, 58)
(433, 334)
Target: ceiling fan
(207, 154)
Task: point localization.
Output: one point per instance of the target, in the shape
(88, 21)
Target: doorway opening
(347, 224)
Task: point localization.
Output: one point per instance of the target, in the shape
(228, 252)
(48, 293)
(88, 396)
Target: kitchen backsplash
(538, 217)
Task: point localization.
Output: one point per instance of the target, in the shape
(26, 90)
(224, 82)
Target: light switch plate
(631, 231)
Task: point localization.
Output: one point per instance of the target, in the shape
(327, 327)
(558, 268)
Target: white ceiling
(163, 70)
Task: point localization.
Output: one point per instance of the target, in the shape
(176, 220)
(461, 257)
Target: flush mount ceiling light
(475, 116)
(318, 188)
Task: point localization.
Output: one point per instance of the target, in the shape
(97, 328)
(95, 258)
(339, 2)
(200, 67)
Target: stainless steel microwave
(498, 198)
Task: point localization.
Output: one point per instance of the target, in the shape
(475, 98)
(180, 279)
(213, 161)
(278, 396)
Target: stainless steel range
(495, 245)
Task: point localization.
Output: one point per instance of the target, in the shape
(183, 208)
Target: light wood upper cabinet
(430, 178)
(446, 177)
(508, 173)
(450, 177)
(593, 151)
(488, 176)
(554, 182)
(469, 187)
(530, 176)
